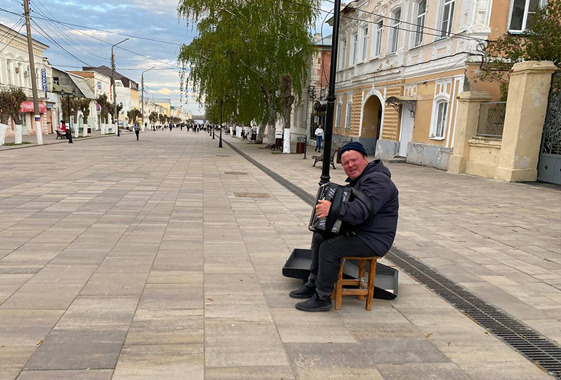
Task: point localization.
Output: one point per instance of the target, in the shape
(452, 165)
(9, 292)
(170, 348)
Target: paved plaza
(161, 259)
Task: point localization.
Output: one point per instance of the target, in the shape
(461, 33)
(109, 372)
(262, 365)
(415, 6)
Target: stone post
(526, 108)
(466, 128)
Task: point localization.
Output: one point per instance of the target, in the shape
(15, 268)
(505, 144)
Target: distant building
(311, 110)
(15, 71)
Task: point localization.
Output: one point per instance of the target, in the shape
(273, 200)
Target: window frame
(338, 115)
(348, 115)
(418, 35)
(343, 53)
(393, 42)
(354, 49)
(436, 117)
(377, 34)
(364, 44)
(450, 20)
(541, 3)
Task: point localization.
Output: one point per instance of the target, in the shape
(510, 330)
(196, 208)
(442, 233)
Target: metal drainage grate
(251, 195)
(236, 173)
(530, 343)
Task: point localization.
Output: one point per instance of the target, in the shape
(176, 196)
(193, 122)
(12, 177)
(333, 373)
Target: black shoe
(316, 303)
(304, 291)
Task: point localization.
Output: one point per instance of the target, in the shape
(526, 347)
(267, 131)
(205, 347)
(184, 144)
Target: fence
(491, 119)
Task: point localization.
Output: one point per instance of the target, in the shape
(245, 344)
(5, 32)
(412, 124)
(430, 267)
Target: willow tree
(243, 49)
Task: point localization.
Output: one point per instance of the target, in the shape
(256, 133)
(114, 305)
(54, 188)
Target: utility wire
(109, 31)
(410, 23)
(13, 37)
(11, 29)
(70, 37)
(389, 26)
(47, 36)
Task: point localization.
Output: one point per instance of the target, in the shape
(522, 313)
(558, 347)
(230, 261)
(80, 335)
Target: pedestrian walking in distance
(137, 130)
(319, 137)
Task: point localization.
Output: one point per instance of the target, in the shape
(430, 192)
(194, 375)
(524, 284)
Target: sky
(80, 33)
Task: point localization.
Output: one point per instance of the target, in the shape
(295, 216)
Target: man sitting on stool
(371, 239)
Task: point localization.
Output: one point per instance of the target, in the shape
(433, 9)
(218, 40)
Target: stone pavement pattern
(501, 241)
(160, 259)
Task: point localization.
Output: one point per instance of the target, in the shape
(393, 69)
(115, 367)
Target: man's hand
(322, 208)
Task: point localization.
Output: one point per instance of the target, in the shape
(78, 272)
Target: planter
(3, 129)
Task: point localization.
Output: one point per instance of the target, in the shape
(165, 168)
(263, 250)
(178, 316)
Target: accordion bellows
(336, 194)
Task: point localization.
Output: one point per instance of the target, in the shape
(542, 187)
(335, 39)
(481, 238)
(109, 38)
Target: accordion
(336, 194)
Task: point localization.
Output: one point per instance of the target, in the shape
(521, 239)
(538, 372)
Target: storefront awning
(27, 106)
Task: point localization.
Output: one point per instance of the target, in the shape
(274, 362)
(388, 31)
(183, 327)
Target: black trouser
(137, 134)
(326, 259)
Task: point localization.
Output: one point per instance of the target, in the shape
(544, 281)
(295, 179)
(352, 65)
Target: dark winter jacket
(375, 182)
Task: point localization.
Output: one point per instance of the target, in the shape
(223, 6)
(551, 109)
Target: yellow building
(402, 64)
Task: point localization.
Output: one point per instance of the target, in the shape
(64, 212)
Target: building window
(348, 115)
(440, 115)
(364, 43)
(354, 49)
(343, 53)
(396, 24)
(521, 14)
(377, 40)
(420, 22)
(338, 118)
(9, 72)
(447, 17)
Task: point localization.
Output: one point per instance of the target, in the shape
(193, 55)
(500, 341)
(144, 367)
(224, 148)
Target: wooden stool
(368, 291)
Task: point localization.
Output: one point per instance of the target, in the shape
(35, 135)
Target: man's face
(353, 163)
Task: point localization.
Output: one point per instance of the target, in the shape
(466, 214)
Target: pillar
(466, 128)
(526, 108)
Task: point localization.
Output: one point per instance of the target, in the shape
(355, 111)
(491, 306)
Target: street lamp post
(331, 94)
(113, 84)
(225, 99)
(142, 106)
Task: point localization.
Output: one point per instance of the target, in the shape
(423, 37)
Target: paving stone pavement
(161, 259)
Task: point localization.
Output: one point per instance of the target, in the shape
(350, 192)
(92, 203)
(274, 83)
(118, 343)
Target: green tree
(5, 105)
(243, 49)
(105, 107)
(540, 42)
(161, 118)
(84, 106)
(133, 115)
(153, 117)
(17, 96)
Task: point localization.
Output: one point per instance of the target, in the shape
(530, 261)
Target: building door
(407, 121)
(371, 124)
(549, 166)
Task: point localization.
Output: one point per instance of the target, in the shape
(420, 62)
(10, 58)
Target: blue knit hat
(353, 145)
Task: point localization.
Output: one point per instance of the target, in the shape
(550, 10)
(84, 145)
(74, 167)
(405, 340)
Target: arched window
(439, 117)
(394, 35)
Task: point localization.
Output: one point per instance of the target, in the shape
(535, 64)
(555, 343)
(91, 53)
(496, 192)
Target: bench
(357, 283)
(61, 134)
(320, 158)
